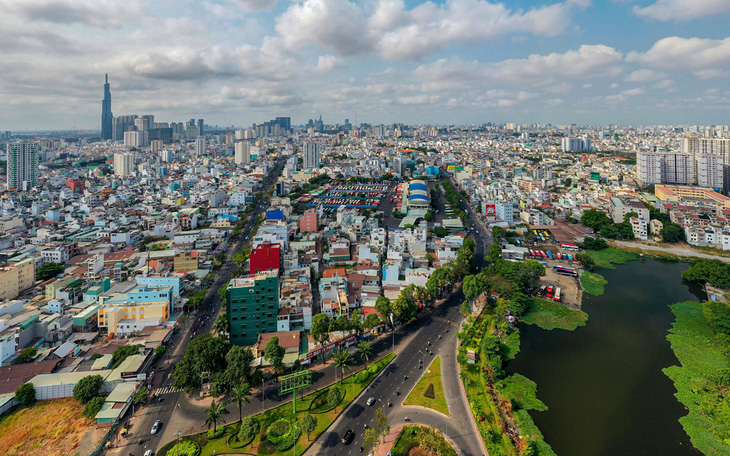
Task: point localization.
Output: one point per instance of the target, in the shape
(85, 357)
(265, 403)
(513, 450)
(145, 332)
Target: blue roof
(276, 214)
(417, 186)
(421, 197)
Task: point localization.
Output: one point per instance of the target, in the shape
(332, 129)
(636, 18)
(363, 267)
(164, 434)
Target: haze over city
(460, 61)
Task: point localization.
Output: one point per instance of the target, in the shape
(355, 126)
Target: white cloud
(682, 10)
(624, 96)
(254, 5)
(327, 63)
(398, 33)
(685, 53)
(644, 75)
(666, 84)
(94, 13)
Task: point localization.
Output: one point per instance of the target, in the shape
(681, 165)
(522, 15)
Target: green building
(253, 306)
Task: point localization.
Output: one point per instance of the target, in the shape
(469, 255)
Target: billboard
(490, 210)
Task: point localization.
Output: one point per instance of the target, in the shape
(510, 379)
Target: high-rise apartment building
(122, 124)
(242, 153)
(200, 145)
(134, 138)
(106, 111)
(253, 306)
(123, 164)
(576, 144)
(311, 155)
(709, 171)
(22, 166)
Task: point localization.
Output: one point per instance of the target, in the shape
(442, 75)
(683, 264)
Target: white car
(371, 401)
(156, 426)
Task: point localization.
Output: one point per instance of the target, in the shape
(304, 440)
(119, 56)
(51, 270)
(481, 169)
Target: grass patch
(593, 283)
(53, 428)
(411, 436)
(512, 345)
(522, 392)
(430, 381)
(701, 359)
(551, 315)
(530, 431)
(349, 388)
(606, 258)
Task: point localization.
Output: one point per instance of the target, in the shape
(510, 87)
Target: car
(371, 401)
(347, 438)
(148, 453)
(156, 426)
(550, 291)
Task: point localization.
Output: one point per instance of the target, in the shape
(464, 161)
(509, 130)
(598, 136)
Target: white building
(136, 138)
(242, 153)
(124, 163)
(709, 170)
(22, 166)
(576, 144)
(639, 227)
(311, 155)
(200, 145)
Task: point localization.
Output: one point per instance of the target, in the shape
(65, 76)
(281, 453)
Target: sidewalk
(389, 441)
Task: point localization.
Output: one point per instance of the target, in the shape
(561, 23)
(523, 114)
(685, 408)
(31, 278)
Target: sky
(238, 62)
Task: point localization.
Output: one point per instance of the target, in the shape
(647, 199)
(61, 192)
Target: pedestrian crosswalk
(166, 390)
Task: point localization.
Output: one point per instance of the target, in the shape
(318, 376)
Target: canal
(603, 383)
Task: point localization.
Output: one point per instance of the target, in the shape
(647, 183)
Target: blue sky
(239, 62)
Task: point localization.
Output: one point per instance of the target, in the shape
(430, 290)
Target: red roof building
(265, 257)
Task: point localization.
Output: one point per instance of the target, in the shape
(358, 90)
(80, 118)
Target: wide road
(202, 321)
(403, 374)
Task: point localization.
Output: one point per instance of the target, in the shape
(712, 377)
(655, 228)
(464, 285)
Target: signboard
(491, 210)
(347, 341)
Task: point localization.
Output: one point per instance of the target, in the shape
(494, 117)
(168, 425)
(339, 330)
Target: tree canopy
(274, 353)
(204, 353)
(714, 272)
(48, 271)
(88, 388)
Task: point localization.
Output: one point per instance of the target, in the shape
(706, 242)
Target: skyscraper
(242, 153)
(106, 111)
(200, 127)
(22, 167)
(311, 155)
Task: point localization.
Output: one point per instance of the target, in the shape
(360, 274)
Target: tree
(214, 415)
(371, 440)
(274, 353)
(27, 355)
(590, 243)
(440, 231)
(238, 366)
(160, 351)
(529, 273)
(333, 398)
(714, 272)
(672, 233)
(342, 360)
(122, 352)
(497, 232)
(364, 350)
(308, 423)
(93, 407)
(371, 321)
(404, 308)
(381, 422)
(494, 253)
(239, 396)
(25, 394)
(465, 309)
(48, 271)
(586, 261)
(88, 388)
(430, 258)
(595, 219)
(385, 310)
(518, 304)
(474, 285)
(204, 353)
(629, 215)
(321, 330)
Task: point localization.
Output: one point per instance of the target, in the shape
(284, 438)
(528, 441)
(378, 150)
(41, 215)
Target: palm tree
(364, 350)
(239, 395)
(221, 325)
(214, 415)
(342, 359)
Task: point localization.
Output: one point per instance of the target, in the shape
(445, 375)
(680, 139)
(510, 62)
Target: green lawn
(409, 438)
(593, 283)
(350, 387)
(701, 357)
(551, 315)
(429, 391)
(606, 258)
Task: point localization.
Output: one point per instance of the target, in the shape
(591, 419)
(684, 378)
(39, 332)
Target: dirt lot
(50, 428)
(570, 286)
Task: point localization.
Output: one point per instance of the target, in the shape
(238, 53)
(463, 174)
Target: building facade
(106, 111)
(311, 155)
(253, 306)
(22, 166)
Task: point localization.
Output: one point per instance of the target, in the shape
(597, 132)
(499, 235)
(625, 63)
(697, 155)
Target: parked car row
(550, 291)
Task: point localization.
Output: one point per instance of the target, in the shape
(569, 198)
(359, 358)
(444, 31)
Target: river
(603, 383)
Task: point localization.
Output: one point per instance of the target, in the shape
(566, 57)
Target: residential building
(123, 164)
(253, 306)
(16, 278)
(619, 208)
(311, 155)
(242, 153)
(265, 257)
(186, 261)
(22, 165)
(308, 222)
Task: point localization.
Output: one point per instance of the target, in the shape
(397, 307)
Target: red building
(265, 257)
(76, 185)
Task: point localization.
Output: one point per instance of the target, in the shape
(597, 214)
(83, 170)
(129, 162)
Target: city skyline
(456, 62)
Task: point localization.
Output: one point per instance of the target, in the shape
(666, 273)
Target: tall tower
(22, 167)
(106, 111)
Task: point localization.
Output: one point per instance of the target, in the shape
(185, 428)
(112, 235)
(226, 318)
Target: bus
(544, 263)
(569, 247)
(557, 295)
(556, 267)
(566, 272)
(550, 255)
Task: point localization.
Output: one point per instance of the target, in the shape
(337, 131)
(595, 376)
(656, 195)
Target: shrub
(93, 407)
(186, 448)
(215, 433)
(249, 428)
(25, 394)
(282, 434)
(88, 388)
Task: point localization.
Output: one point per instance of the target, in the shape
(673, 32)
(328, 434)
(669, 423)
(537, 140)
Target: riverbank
(699, 338)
